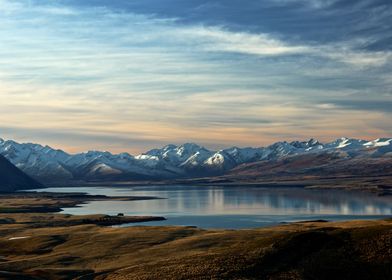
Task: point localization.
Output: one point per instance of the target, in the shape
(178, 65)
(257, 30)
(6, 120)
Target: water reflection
(236, 207)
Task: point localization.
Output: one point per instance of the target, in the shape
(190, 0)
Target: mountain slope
(12, 179)
(314, 166)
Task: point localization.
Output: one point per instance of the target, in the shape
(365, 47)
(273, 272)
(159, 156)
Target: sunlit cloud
(129, 81)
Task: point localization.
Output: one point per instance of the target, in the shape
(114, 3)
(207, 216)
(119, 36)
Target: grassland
(49, 246)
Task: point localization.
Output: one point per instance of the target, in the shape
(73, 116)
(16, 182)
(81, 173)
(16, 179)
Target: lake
(234, 207)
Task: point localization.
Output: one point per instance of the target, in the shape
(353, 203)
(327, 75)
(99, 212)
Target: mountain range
(185, 161)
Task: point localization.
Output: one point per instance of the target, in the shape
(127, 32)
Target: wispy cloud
(220, 40)
(142, 77)
(310, 3)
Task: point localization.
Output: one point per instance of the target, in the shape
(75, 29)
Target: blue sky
(132, 75)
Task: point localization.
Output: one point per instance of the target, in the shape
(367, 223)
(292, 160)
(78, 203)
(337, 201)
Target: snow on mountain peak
(380, 142)
(103, 169)
(312, 143)
(345, 143)
(160, 152)
(216, 159)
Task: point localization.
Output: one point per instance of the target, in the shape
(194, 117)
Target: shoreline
(379, 185)
(49, 205)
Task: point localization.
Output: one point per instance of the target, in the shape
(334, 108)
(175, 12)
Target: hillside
(11, 178)
(308, 250)
(325, 165)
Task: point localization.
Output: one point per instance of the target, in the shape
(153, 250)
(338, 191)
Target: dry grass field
(351, 250)
(55, 246)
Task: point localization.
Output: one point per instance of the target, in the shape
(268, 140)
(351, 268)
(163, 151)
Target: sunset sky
(130, 75)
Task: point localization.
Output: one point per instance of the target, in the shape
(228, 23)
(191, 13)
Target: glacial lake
(233, 207)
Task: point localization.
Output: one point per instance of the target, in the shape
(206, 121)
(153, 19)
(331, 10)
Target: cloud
(317, 4)
(220, 40)
(363, 105)
(109, 75)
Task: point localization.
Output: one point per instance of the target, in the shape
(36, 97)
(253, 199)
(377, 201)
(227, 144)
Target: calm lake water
(234, 207)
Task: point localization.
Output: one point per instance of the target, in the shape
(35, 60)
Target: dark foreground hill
(12, 179)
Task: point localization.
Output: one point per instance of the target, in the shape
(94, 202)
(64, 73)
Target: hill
(12, 179)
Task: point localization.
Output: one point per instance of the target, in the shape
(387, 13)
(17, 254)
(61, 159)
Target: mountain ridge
(171, 161)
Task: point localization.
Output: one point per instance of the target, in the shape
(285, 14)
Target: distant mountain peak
(313, 142)
(306, 144)
(169, 147)
(191, 147)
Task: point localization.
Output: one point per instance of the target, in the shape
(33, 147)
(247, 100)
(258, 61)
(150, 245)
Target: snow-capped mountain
(187, 160)
(36, 160)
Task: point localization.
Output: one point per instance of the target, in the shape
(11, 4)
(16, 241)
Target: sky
(134, 75)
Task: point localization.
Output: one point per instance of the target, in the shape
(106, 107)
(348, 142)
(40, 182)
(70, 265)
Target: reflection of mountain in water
(241, 201)
(278, 201)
